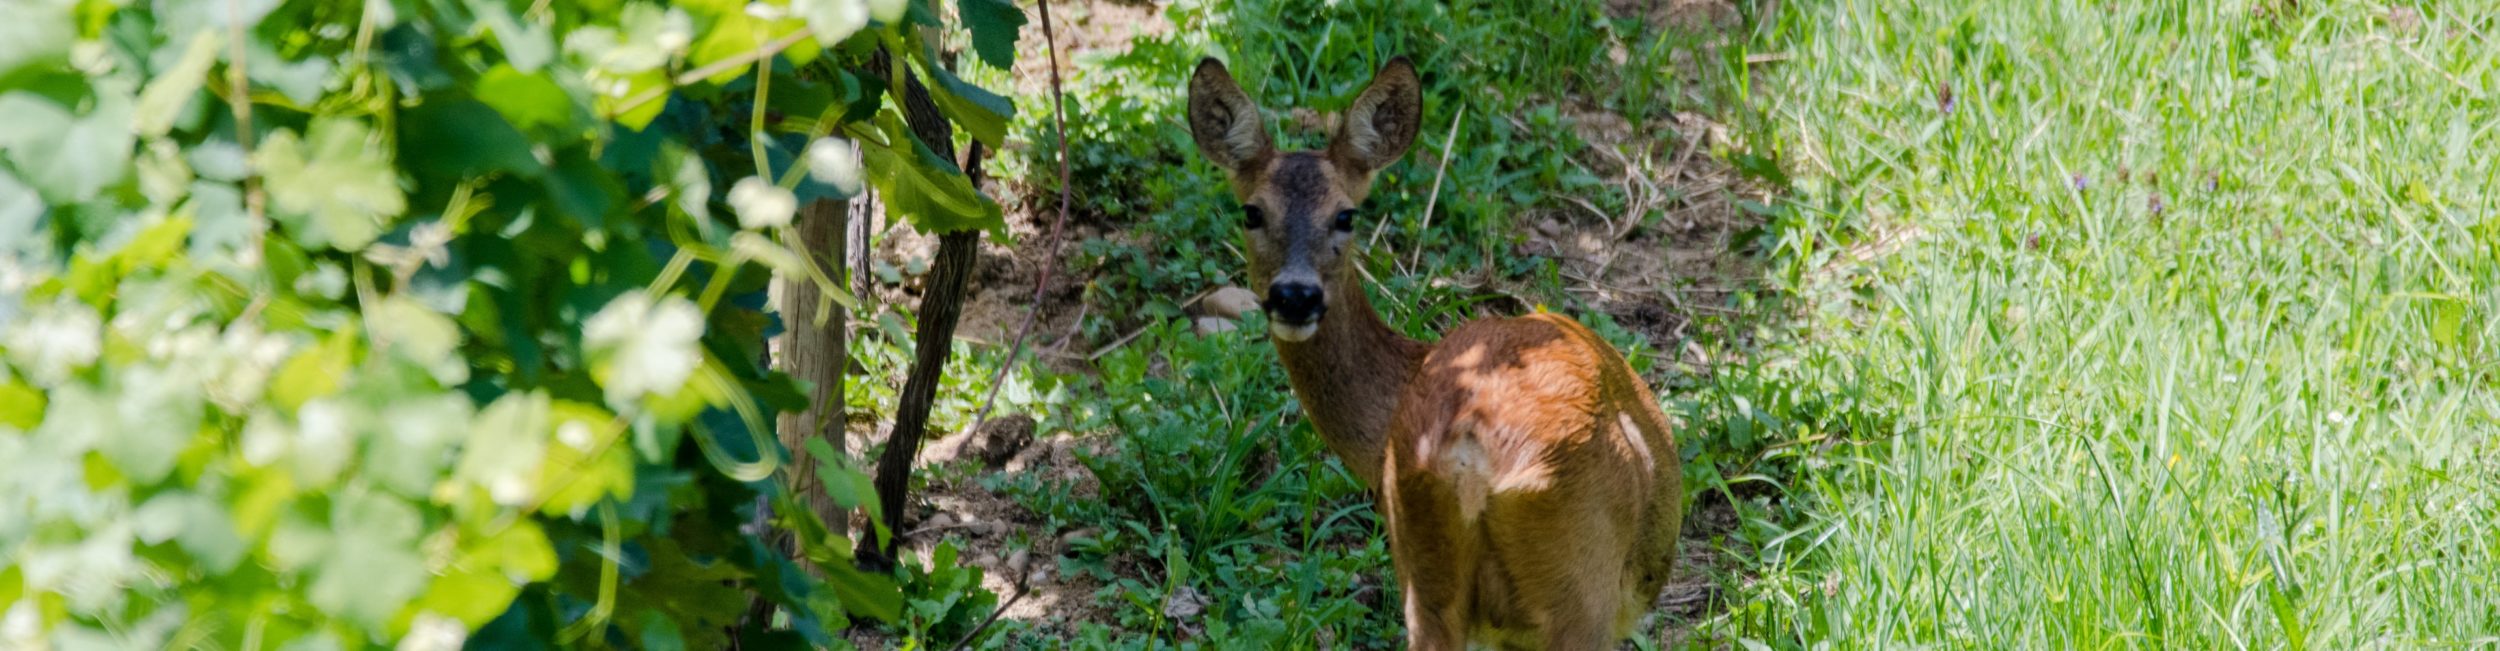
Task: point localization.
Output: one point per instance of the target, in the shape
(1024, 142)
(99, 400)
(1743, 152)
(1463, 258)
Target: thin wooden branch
(1041, 285)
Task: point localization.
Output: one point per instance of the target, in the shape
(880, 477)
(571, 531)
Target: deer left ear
(1380, 125)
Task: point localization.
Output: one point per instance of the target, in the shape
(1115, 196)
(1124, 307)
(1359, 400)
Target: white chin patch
(1294, 333)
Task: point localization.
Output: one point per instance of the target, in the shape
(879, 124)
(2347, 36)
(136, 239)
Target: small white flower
(575, 434)
(834, 161)
(22, 627)
(431, 632)
(674, 36)
(644, 345)
(264, 439)
(832, 20)
(2336, 417)
(323, 441)
(762, 11)
(326, 281)
(509, 490)
(57, 341)
(760, 204)
(887, 11)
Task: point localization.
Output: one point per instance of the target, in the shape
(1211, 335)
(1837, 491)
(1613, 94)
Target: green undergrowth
(2184, 333)
(1216, 518)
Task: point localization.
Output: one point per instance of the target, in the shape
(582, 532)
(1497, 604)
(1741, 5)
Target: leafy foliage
(332, 324)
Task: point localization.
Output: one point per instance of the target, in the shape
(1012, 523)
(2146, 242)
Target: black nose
(1294, 303)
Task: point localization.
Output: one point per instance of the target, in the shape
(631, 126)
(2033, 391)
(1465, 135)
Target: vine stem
(1041, 285)
(239, 101)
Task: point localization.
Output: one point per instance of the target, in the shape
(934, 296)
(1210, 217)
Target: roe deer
(1532, 489)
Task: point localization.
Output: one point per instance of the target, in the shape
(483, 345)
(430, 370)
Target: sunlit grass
(2191, 345)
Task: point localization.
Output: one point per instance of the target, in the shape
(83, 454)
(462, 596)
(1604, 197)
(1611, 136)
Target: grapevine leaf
(21, 406)
(33, 32)
(994, 25)
(531, 101)
(313, 373)
(528, 46)
(408, 52)
(976, 109)
(581, 189)
(372, 568)
(334, 188)
(68, 158)
(462, 139)
(924, 189)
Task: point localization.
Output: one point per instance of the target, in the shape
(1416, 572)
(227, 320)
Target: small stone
(1230, 303)
(1209, 326)
(1038, 577)
(936, 522)
(1184, 604)
(1018, 562)
(1000, 439)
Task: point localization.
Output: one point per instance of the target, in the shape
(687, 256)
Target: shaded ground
(1657, 267)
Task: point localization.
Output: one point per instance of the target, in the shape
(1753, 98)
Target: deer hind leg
(1567, 567)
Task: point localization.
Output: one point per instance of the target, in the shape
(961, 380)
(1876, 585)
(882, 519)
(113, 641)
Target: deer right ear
(1224, 121)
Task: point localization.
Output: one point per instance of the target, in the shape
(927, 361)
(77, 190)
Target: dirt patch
(1017, 551)
(1673, 252)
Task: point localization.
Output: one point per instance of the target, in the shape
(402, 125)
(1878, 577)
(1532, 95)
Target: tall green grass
(2191, 342)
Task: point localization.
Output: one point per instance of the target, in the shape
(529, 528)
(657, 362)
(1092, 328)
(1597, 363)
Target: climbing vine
(339, 323)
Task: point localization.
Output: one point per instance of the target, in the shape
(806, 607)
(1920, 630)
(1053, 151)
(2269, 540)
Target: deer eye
(1252, 218)
(1345, 221)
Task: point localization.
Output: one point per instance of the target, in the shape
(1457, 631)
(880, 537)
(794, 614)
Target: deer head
(1299, 208)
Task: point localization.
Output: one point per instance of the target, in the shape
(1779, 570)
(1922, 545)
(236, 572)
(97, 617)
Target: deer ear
(1224, 121)
(1381, 124)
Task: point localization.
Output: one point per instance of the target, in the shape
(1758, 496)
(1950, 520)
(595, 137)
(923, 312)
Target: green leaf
(994, 25)
(165, 96)
(373, 569)
(315, 372)
(463, 139)
(977, 110)
(738, 34)
(336, 188)
(531, 101)
(21, 406)
(154, 247)
(69, 159)
(506, 444)
(636, 86)
(528, 46)
(302, 81)
(34, 32)
(924, 189)
(867, 595)
(418, 334)
(583, 190)
(659, 633)
(586, 464)
(196, 523)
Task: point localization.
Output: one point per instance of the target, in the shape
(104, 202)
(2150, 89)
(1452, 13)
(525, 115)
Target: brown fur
(1532, 488)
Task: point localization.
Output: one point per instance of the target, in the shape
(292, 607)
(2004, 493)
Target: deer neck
(1349, 376)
